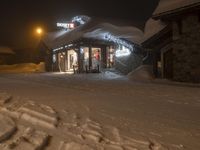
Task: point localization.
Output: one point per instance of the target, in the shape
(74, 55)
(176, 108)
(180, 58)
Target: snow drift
(6, 50)
(23, 68)
(142, 73)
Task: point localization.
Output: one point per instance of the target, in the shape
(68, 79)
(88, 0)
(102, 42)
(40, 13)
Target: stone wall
(186, 50)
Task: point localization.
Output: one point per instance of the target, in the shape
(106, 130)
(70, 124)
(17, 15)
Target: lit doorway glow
(72, 59)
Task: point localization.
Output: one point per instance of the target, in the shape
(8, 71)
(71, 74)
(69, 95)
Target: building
(87, 44)
(172, 39)
(6, 55)
(27, 55)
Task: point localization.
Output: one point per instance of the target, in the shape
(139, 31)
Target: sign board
(123, 52)
(66, 25)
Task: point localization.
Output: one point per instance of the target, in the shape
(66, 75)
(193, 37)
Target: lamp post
(38, 34)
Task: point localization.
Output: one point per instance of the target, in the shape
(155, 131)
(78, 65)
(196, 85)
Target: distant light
(39, 31)
(81, 19)
(57, 49)
(69, 45)
(82, 50)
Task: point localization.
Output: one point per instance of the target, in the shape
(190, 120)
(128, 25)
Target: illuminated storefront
(82, 47)
(84, 59)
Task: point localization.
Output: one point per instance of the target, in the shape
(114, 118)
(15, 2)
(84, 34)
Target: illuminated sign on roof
(66, 25)
(75, 22)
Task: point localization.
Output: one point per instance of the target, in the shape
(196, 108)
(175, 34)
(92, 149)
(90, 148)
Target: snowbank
(6, 50)
(142, 73)
(23, 68)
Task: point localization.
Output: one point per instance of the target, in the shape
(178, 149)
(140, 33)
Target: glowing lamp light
(82, 50)
(39, 31)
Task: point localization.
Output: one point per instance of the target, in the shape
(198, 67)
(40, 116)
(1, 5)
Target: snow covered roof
(129, 33)
(6, 50)
(172, 6)
(94, 29)
(152, 28)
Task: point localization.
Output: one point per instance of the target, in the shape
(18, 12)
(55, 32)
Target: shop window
(110, 57)
(96, 57)
(54, 58)
(85, 51)
(72, 59)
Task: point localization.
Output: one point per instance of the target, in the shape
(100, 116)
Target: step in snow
(4, 98)
(35, 114)
(11, 113)
(30, 139)
(73, 146)
(39, 115)
(7, 127)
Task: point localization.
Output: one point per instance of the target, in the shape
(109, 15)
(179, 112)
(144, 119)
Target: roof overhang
(170, 8)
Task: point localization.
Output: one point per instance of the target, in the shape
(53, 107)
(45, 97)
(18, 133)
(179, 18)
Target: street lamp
(39, 31)
(38, 39)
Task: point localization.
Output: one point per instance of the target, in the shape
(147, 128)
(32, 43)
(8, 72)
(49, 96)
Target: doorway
(61, 61)
(168, 64)
(72, 60)
(96, 58)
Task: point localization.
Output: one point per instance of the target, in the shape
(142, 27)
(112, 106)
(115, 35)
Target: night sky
(19, 18)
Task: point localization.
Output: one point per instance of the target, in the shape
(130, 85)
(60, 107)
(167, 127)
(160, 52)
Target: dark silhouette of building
(174, 47)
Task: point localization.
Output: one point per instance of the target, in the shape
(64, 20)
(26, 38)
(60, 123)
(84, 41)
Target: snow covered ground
(53, 111)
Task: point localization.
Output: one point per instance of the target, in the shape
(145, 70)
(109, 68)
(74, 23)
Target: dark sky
(19, 18)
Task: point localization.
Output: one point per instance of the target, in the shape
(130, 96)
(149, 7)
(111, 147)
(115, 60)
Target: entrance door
(168, 64)
(96, 58)
(61, 61)
(72, 59)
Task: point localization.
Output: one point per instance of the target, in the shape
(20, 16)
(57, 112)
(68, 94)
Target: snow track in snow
(31, 126)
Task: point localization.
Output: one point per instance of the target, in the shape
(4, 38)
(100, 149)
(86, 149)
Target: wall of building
(186, 49)
(6, 59)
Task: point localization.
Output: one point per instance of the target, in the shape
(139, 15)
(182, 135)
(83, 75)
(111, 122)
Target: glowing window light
(69, 45)
(81, 50)
(57, 49)
(54, 58)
